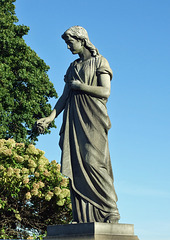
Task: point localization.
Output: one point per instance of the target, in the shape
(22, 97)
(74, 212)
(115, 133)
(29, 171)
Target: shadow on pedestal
(91, 231)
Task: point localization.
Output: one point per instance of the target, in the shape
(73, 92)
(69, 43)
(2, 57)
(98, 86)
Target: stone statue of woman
(84, 132)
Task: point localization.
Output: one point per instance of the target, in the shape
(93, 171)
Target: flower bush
(33, 192)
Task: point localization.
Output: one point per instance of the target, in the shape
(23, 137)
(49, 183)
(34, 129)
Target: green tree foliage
(24, 84)
(33, 193)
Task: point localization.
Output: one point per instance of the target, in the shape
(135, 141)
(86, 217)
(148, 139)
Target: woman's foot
(111, 219)
(74, 222)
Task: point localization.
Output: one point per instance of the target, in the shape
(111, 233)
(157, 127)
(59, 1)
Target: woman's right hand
(42, 124)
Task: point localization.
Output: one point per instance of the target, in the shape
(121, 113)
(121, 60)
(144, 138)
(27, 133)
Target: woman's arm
(101, 91)
(60, 105)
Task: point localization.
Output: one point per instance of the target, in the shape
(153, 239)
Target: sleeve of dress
(68, 73)
(103, 67)
(66, 76)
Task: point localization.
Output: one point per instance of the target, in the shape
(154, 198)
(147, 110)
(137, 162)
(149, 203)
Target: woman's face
(74, 45)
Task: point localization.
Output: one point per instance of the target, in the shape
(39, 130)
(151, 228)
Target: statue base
(91, 231)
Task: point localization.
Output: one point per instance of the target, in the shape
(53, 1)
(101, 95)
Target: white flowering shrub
(33, 193)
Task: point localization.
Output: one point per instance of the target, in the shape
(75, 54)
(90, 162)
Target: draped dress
(85, 158)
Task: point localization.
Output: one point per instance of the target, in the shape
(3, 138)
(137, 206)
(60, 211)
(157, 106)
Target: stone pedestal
(91, 231)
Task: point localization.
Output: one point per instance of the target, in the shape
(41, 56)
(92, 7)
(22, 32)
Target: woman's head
(80, 33)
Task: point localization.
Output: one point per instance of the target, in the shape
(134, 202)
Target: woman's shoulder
(102, 65)
(101, 60)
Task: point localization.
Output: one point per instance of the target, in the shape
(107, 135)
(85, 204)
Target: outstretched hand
(42, 124)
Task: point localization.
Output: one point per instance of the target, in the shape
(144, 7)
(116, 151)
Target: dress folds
(84, 144)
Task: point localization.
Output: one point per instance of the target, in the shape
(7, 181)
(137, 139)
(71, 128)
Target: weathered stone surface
(91, 231)
(84, 133)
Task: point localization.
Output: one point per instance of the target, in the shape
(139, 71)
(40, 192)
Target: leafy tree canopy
(33, 193)
(24, 84)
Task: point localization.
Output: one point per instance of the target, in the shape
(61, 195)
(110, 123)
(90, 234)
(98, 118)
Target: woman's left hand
(76, 84)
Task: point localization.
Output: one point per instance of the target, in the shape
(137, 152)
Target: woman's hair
(78, 32)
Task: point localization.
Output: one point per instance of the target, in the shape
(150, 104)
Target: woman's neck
(85, 54)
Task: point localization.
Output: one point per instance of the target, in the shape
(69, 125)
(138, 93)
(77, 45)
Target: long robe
(84, 144)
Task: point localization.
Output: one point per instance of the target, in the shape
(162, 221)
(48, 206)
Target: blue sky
(134, 36)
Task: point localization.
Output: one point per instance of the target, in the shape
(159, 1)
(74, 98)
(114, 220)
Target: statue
(84, 133)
